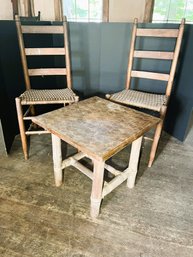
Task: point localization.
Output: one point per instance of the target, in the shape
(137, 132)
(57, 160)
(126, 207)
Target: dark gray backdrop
(99, 54)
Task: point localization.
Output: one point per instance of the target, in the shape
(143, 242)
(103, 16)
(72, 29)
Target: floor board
(152, 220)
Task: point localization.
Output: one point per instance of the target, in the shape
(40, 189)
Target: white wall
(119, 10)
(46, 7)
(126, 10)
(6, 10)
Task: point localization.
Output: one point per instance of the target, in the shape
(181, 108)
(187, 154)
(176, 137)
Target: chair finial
(64, 18)
(135, 21)
(17, 17)
(183, 21)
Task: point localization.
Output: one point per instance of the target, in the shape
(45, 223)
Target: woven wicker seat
(33, 97)
(140, 99)
(53, 95)
(151, 100)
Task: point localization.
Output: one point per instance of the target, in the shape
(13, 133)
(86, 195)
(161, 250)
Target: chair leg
(33, 113)
(21, 127)
(155, 142)
(76, 99)
(157, 135)
(33, 110)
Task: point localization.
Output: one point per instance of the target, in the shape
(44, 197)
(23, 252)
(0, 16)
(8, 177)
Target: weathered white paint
(126, 10)
(6, 10)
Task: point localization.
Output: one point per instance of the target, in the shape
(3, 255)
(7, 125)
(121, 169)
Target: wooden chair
(32, 97)
(151, 100)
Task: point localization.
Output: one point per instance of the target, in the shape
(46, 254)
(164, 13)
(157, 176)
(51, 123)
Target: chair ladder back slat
(67, 55)
(47, 71)
(22, 53)
(149, 75)
(175, 59)
(44, 51)
(173, 56)
(26, 29)
(154, 55)
(170, 33)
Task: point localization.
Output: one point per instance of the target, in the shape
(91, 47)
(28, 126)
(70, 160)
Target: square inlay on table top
(97, 127)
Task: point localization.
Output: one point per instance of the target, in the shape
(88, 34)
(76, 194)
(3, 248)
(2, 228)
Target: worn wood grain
(42, 29)
(157, 33)
(45, 51)
(47, 72)
(150, 75)
(97, 127)
(154, 55)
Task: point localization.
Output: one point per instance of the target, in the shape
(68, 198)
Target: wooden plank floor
(155, 219)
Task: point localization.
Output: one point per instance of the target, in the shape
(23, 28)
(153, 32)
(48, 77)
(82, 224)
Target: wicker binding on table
(55, 95)
(140, 99)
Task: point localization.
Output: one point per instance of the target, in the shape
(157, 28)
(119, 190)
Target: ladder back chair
(150, 100)
(32, 97)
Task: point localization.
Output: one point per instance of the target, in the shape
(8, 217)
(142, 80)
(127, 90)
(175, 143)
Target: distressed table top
(97, 127)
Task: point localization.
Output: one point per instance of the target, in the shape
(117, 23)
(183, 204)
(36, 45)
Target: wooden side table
(98, 129)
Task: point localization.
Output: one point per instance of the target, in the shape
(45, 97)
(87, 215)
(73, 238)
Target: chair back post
(67, 54)
(131, 53)
(175, 59)
(22, 53)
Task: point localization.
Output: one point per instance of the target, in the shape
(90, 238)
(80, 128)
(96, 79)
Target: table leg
(97, 185)
(133, 161)
(57, 159)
